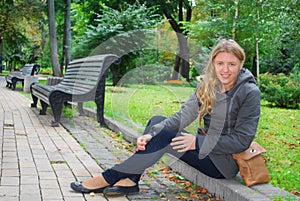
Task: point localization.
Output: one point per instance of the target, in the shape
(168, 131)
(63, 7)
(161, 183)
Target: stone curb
(227, 190)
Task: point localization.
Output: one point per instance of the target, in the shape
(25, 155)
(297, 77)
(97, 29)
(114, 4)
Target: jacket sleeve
(181, 119)
(241, 136)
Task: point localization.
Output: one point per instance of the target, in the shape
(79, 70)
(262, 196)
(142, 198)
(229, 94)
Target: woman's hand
(184, 142)
(142, 141)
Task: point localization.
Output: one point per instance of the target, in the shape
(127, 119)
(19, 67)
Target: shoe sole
(86, 191)
(118, 193)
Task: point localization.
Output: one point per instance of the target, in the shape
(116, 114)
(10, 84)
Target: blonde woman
(228, 102)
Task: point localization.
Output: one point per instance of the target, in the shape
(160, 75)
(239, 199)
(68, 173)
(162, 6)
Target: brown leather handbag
(252, 165)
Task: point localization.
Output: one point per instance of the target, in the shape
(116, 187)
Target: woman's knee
(154, 120)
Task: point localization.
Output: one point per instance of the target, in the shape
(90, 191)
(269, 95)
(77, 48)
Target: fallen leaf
(295, 192)
(181, 197)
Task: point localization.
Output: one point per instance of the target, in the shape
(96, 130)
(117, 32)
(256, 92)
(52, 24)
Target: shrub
(281, 90)
(47, 71)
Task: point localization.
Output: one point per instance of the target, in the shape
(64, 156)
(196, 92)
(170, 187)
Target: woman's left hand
(184, 142)
(142, 141)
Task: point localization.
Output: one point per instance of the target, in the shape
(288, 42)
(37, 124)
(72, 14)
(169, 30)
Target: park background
(52, 33)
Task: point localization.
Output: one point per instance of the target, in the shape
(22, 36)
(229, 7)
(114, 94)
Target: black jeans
(135, 165)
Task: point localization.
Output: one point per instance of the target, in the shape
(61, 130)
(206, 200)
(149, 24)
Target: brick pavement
(38, 162)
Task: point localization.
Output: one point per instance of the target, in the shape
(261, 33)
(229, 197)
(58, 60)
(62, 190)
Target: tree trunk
(1, 45)
(176, 68)
(182, 64)
(254, 67)
(66, 53)
(184, 54)
(257, 48)
(257, 61)
(236, 15)
(53, 40)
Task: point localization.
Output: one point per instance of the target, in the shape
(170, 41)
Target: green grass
(4, 72)
(278, 129)
(278, 132)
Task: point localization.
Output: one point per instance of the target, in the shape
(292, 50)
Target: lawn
(278, 129)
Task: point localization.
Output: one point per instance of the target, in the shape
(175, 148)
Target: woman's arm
(187, 114)
(242, 134)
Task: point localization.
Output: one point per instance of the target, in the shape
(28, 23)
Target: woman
(228, 101)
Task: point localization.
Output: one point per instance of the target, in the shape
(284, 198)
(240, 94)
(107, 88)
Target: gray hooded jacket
(230, 127)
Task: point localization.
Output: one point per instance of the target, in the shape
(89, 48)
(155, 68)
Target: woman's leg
(110, 176)
(204, 165)
(111, 173)
(135, 165)
(154, 120)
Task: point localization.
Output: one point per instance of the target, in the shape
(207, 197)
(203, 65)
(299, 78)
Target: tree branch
(172, 21)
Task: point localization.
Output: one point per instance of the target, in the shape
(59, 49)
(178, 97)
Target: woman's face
(227, 67)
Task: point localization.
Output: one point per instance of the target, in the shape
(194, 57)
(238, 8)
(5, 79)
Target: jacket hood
(244, 76)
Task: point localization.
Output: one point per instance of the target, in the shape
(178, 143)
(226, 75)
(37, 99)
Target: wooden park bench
(15, 77)
(83, 81)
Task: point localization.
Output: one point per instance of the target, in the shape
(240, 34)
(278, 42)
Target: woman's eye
(232, 65)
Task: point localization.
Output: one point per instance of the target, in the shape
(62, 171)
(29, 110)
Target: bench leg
(35, 100)
(44, 108)
(13, 83)
(99, 100)
(80, 109)
(56, 101)
(57, 110)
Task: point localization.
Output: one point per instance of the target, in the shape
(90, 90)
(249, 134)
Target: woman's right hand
(142, 141)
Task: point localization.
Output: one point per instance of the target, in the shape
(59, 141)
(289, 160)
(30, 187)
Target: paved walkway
(38, 162)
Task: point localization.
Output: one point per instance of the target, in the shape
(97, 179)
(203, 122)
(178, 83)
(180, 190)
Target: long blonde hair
(206, 92)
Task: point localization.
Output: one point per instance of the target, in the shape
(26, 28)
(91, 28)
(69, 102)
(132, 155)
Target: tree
(115, 28)
(266, 29)
(66, 52)
(17, 26)
(169, 9)
(53, 41)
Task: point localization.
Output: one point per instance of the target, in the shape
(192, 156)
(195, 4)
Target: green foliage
(112, 22)
(146, 74)
(280, 43)
(4, 72)
(69, 111)
(273, 24)
(281, 90)
(116, 31)
(19, 37)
